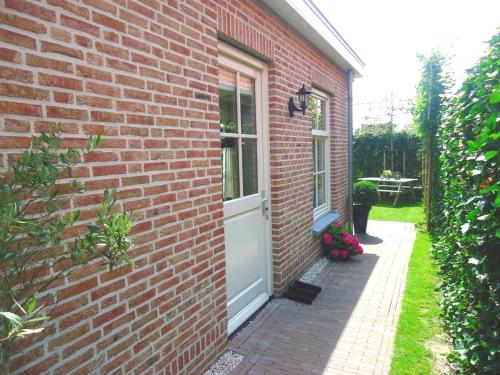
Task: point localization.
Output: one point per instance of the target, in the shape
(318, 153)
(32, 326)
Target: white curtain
(230, 166)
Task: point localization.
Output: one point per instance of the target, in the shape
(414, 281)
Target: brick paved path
(349, 328)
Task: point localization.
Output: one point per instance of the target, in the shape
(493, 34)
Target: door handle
(264, 203)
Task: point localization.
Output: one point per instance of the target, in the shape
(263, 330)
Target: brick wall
(144, 75)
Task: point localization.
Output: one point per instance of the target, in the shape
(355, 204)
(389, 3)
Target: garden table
(393, 185)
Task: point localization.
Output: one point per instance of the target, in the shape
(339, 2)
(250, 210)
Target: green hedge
(468, 245)
(369, 146)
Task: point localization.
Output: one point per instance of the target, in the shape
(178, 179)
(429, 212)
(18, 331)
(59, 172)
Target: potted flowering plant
(339, 244)
(387, 173)
(364, 194)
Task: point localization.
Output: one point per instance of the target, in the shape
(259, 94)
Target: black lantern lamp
(303, 95)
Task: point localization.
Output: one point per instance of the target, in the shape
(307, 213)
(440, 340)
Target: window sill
(323, 222)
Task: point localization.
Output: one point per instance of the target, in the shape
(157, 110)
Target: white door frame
(227, 55)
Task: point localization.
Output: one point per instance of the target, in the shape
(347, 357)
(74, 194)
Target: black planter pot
(360, 216)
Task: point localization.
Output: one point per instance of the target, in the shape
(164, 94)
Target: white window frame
(325, 134)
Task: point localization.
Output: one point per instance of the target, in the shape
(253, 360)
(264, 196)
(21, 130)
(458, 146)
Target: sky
(389, 34)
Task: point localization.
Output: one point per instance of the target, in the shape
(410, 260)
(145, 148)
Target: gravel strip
(312, 273)
(228, 361)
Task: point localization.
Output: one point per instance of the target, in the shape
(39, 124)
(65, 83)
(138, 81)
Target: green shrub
(468, 245)
(365, 193)
(427, 116)
(369, 146)
(35, 245)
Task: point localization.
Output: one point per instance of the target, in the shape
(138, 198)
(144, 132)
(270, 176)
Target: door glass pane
(249, 162)
(227, 101)
(230, 168)
(247, 104)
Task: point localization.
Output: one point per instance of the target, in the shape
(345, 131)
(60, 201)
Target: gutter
(349, 140)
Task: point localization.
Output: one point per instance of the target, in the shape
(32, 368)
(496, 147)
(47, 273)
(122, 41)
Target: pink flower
(337, 224)
(335, 253)
(347, 238)
(355, 241)
(327, 238)
(344, 253)
(358, 249)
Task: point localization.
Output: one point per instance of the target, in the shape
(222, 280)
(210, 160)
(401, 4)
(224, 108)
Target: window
(320, 115)
(238, 134)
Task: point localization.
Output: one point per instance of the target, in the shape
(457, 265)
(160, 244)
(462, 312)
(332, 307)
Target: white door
(244, 187)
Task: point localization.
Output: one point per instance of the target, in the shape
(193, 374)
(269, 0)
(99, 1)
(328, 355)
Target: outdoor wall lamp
(303, 95)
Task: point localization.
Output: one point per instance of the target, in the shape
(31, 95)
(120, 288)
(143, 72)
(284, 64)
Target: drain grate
(302, 292)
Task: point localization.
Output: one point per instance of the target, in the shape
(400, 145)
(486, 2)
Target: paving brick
(337, 334)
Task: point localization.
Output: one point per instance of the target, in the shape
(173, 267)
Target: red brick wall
(144, 75)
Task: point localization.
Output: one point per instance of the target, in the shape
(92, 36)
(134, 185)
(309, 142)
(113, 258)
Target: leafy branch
(38, 244)
(468, 235)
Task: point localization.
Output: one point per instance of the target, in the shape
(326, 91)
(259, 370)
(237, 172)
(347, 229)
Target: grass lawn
(419, 344)
(412, 212)
(419, 327)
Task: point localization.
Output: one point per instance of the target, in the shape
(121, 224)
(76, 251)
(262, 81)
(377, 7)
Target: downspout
(349, 140)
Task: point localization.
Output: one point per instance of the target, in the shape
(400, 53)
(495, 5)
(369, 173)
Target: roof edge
(305, 17)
